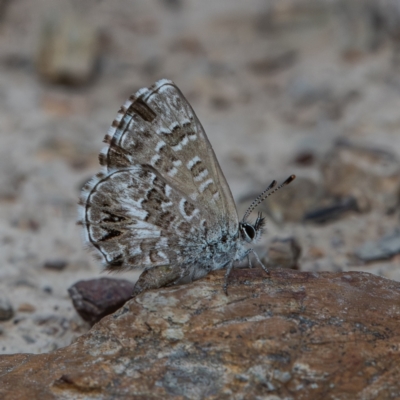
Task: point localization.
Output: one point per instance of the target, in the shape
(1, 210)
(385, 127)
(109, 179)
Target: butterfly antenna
(265, 194)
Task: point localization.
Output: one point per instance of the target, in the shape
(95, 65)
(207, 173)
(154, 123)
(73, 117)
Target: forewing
(161, 184)
(158, 127)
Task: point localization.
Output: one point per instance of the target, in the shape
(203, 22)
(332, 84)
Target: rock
(26, 307)
(11, 178)
(308, 103)
(364, 25)
(357, 30)
(190, 45)
(283, 253)
(6, 310)
(96, 298)
(55, 265)
(382, 249)
(304, 92)
(369, 175)
(305, 158)
(291, 334)
(331, 212)
(280, 15)
(68, 48)
(294, 201)
(276, 60)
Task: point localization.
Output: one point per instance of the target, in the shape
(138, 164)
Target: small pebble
(55, 265)
(96, 298)
(382, 249)
(26, 307)
(28, 339)
(284, 253)
(48, 289)
(6, 310)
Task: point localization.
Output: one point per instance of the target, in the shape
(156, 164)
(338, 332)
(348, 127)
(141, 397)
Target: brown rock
(284, 253)
(6, 310)
(292, 335)
(26, 307)
(96, 298)
(275, 60)
(369, 175)
(294, 201)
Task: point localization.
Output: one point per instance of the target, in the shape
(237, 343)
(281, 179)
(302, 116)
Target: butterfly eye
(248, 232)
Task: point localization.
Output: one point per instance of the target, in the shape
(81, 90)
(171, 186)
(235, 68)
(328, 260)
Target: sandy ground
(51, 134)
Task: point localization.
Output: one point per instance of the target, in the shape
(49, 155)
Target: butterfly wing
(160, 185)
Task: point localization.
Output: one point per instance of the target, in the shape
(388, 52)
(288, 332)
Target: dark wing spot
(112, 217)
(137, 145)
(144, 174)
(147, 134)
(117, 156)
(188, 208)
(159, 184)
(102, 159)
(115, 123)
(135, 260)
(116, 262)
(174, 138)
(191, 134)
(164, 219)
(143, 110)
(111, 234)
(153, 197)
(184, 227)
(154, 257)
(107, 138)
(197, 169)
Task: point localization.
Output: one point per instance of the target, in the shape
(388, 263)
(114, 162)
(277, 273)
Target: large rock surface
(292, 335)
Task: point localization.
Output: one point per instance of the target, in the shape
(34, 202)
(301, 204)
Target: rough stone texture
(291, 335)
(95, 298)
(370, 175)
(385, 248)
(257, 123)
(283, 253)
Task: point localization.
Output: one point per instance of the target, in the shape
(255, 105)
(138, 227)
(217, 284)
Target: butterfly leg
(227, 273)
(249, 260)
(156, 277)
(259, 261)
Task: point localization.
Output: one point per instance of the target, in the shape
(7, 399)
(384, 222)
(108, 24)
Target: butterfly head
(252, 232)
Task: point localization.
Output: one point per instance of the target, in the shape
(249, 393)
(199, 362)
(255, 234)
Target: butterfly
(161, 202)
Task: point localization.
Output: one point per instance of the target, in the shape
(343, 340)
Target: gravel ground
(266, 93)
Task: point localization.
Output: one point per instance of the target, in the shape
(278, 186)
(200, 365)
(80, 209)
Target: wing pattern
(161, 189)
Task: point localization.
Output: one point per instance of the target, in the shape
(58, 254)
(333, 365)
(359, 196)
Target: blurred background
(309, 87)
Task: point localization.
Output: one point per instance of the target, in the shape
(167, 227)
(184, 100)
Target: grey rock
(382, 249)
(368, 174)
(275, 60)
(332, 211)
(55, 265)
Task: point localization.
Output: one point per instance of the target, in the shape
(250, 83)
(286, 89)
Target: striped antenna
(265, 194)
